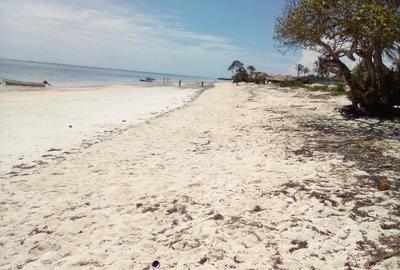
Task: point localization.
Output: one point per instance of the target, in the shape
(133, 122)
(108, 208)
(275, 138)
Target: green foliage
(292, 84)
(246, 75)
(321, 68)
(251, 69)
(375, 23)
(367, 29)
(340, 88)
(338, 91)
(318, 88)
(241, 76)
(310, 23)
(236, 66)
(377, 89)
(306, 70)
(258, 77)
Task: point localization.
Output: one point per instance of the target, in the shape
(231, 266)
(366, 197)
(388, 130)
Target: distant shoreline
(184, 85)
(107, 68)
(72, 75)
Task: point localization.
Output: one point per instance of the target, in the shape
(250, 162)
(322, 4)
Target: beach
(241, 177)
(42, 123)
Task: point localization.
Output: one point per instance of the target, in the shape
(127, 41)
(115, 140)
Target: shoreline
(91, 130)
(68, 87)
(242, 177)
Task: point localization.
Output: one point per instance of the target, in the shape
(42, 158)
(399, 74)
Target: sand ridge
(225, 182)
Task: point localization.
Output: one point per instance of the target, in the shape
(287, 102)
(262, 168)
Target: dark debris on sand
(361, 141)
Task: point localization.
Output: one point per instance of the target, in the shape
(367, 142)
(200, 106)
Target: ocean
(70, 75)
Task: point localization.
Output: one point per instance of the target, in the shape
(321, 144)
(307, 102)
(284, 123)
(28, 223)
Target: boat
(148, 79)
(22, 83)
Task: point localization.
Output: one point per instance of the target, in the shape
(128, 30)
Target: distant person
(180, 83)
(46, 83)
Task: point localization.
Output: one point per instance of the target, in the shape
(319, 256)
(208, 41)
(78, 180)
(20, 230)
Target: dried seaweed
(298, 245)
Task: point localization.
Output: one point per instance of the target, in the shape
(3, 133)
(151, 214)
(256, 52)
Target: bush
(241, 76)
(292, 84)
(340, 88)
(377, 92)
(337, 90)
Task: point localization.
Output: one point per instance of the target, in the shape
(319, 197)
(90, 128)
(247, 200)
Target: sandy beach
(37, 124)
(243, 177)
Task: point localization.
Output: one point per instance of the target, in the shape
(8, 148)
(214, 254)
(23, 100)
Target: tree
(239, 72)
(306, 70)
(241, 76)
(299, 68)
(250, 69)
(236, 66)
(396, 65)
(258, 77)
(320, 68)
(356, 29)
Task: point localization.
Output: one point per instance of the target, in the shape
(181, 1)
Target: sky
(188, 37)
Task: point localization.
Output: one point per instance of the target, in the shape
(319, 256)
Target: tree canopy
(251, 69)
(236, 66)
(240, 74)
(353, 29)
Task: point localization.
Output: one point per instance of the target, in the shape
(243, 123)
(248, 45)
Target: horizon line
(107, 68)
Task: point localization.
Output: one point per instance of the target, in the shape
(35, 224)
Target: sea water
(71, 75)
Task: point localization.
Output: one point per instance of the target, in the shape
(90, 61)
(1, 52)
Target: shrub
(334, 91)
(292, 84)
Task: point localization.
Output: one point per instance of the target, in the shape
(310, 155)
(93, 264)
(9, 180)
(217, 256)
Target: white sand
(214, 185)
(33, 122)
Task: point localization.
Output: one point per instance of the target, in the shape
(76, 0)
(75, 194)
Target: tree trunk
(374, 87)
(354, 88)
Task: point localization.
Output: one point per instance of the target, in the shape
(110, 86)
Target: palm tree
(299, 68)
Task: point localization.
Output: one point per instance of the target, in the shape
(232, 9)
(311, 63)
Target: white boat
(22, 83)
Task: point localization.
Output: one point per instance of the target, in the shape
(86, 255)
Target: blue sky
(191, 37)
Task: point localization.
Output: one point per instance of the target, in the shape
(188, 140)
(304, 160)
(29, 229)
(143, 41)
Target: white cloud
(309, 57)
(107, 34)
